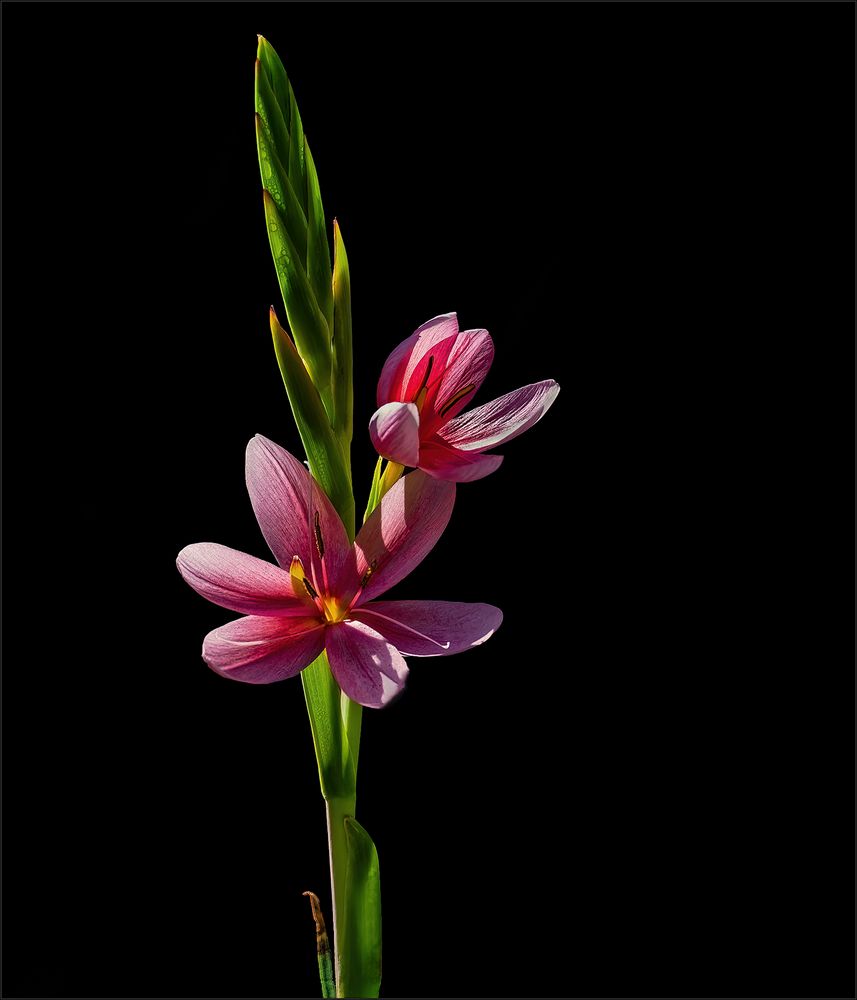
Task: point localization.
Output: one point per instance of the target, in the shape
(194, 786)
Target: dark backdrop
(642, 786)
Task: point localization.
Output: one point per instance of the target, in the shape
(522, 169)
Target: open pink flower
(323, 595)
(426, 383)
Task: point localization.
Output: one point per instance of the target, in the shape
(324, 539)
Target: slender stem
(337, 810)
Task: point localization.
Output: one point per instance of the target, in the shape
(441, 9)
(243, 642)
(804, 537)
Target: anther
(370, 570)
(319, 541)
(458, 396)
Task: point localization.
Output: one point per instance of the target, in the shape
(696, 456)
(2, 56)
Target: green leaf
(325, 457)
(375, 490)
(318, 252)
(360, 952)
(343, 377)
(306, 320)
(270, 113)
(276, 182)
(276, 73)
(297, 152)
(322, 696)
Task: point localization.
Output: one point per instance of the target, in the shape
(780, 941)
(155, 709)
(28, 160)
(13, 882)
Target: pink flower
(426, 383)
(323, 594)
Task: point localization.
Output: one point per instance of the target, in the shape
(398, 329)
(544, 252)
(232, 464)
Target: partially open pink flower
(323, 595)
(426, 383)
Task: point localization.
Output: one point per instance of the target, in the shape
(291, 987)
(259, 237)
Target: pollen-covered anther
(458, 396)
(420, 397)
(300, 583)
(319, 541)
(369, 571)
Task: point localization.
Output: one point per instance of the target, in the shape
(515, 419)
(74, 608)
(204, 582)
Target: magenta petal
(286, 500)
(367, 668)
(502, 419)
(263, 650)
(401, 531)
(445, 462)
(401, 364)
(466, 367)
(395, 432)
(431, 628)
(239, 582)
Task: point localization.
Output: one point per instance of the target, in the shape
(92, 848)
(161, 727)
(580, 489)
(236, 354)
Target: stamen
(370, 570)
(299, 577)
(319, 541)
(458, 396)
(420, 397)
(427, 374)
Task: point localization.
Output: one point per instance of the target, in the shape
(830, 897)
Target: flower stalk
(317, 610)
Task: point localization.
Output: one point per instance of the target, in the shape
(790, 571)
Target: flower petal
(431, 628)
(263, 650)
(467, 364)
(287, 501)
(401, 531)
(238, 581)
(442, 461)
(502, 419)
(395, 432)
(400, 366)
(367, 668)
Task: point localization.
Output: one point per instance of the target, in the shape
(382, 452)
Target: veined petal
(404, 360)
(467, 364)
(401, 531)
(431, 628)
(502, 419)
(368, 668)
(239, 581)
(295, 515)
(395, 432)
(263, 650)
(442, 461)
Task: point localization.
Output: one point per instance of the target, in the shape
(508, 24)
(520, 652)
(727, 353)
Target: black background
(642, 786)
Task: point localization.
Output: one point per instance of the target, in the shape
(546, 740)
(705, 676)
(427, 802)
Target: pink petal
(395, 432)
(467, 365)
(502, 419)
(431, 628)
(263, 650)
(367, 668)
(286, 501)
(443, 461)
(239, 582)
(401, 531)
(402, 363)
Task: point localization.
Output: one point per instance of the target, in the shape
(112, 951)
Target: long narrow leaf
(305, 318)
(270, 112)
(325, 457)
(343, 379)
(360, 952)
(318, 252)
(276, 181)
(322, 696)
(276, 72)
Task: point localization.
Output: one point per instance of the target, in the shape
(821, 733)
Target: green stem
(337, 810)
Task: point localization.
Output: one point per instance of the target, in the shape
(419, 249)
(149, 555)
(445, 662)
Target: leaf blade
(360, 958)
(324, 455)
(318, 251)
(305, 318)
(341, 345)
